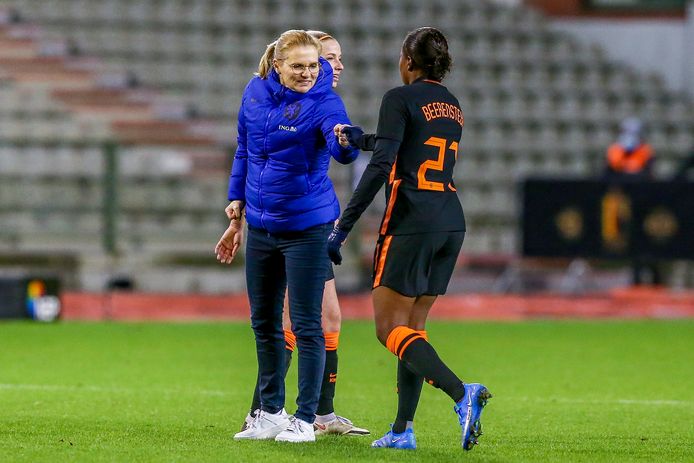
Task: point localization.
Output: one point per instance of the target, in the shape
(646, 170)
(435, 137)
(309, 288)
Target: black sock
(255, 404)
(421, 358)
(327, 389)
(409, 390)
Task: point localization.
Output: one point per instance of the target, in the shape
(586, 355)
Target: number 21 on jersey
(440, 143)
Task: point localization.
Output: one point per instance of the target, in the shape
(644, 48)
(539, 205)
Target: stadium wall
(620, 303)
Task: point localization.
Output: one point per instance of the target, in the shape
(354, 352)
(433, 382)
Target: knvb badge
(291, 111)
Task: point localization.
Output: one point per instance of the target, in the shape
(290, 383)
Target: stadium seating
(165, 78)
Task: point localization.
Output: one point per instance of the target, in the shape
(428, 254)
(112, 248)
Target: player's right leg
(409, 387)
(409, 383)
(389, 316)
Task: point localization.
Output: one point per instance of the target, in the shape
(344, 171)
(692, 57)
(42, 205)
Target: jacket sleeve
(237, 178)
(333, 114)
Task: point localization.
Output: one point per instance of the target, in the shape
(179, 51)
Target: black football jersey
(417, 142)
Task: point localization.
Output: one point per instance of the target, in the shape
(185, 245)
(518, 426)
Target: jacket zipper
(262, 172)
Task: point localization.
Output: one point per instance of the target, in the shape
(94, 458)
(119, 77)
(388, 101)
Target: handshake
(348, 135)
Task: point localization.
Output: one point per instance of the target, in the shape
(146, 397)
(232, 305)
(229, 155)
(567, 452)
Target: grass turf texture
(564, 391)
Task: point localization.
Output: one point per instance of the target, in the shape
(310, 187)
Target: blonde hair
(321, 36)
(278, 48)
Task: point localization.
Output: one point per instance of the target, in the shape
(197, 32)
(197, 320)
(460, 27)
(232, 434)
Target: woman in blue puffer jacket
(280, 175)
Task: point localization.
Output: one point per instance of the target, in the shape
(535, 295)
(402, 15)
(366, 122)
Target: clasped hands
(348, 134)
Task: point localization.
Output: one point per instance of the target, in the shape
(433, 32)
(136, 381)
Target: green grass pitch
(563, 391)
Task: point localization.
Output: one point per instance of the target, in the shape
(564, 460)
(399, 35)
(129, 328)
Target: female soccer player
(280, 176)
(422, 230)
(327, 422)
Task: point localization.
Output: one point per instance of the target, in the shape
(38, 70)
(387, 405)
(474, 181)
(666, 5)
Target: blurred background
(118, 128)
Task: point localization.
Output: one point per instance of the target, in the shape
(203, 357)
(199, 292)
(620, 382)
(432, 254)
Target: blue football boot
(469, 411)
(404, 440)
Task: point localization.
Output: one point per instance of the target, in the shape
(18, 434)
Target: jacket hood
(324, 84)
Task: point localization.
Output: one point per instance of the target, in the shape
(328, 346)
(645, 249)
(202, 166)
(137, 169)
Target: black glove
(354, 133)
(335, 240)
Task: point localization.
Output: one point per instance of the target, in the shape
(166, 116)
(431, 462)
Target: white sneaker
(297, 431)
(340, 426)
(265, 426)
(249, 419)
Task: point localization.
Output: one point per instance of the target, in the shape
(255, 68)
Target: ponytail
(265, 65)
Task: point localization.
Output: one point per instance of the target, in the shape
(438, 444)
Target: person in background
(279, 178)
(630, 156)
(327, 422)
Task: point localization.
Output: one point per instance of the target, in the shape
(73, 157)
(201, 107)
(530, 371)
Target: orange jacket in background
(629, 163)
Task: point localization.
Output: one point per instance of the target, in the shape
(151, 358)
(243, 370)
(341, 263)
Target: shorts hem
(402, 293)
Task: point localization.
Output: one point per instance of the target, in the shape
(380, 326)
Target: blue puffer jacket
(285, 140)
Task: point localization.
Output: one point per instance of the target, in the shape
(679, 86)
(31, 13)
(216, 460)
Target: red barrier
(623, 303)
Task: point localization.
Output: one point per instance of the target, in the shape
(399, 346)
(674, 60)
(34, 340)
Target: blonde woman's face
(299, 68)
(332, 52)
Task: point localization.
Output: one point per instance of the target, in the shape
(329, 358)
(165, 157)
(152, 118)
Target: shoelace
(295, 425)
(256, 420)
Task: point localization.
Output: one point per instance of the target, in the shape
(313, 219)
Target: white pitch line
(602, 401)
(217, 393)
(101, 389)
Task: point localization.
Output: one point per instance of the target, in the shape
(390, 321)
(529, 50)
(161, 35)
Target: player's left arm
(374, 176)
(392, 121)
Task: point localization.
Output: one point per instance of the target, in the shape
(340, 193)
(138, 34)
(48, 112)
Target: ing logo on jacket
(291, 111)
